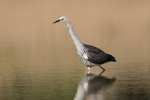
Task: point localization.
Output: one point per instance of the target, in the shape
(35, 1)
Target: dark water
(38, 60)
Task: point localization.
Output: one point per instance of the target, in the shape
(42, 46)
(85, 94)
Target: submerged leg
(101, 68)
(89, 70)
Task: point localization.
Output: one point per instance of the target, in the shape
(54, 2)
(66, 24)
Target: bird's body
(89, 55)
(96, 56)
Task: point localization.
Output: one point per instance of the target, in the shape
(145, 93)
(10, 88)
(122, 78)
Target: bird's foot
(89, 70)
(103, 70)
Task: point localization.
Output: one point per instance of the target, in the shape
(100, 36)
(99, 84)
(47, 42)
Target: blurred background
(38, 59)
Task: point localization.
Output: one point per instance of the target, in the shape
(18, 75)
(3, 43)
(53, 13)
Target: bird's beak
(56, 21)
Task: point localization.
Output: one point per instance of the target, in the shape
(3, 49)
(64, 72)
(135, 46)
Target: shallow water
(38, 60)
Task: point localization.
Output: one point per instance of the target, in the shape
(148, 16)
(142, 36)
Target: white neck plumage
(75, 39)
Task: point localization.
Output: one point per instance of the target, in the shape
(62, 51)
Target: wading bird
(89, 55)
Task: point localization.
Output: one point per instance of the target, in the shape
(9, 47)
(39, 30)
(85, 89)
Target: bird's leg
(89, 70)
(101, 68)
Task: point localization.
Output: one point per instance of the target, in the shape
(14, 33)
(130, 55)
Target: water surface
(38, 60)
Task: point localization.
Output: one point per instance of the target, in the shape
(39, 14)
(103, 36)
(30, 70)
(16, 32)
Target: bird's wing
(96, 55)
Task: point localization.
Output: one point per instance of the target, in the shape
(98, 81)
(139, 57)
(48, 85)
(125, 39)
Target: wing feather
(96, 55)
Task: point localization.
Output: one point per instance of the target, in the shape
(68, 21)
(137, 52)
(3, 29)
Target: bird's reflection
(91, 87)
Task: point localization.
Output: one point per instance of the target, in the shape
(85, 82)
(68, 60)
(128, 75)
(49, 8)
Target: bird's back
(97, 56)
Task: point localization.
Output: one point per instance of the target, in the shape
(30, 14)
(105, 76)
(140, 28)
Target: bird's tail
(111, 58)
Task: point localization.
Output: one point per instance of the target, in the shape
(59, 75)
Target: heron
(88, 54)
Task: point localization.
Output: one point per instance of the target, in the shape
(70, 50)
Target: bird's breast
(85, 55)
(84, 58)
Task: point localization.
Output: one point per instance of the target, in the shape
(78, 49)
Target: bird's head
(61, 19)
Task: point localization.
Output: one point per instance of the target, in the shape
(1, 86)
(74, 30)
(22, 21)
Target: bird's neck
(75, 39)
